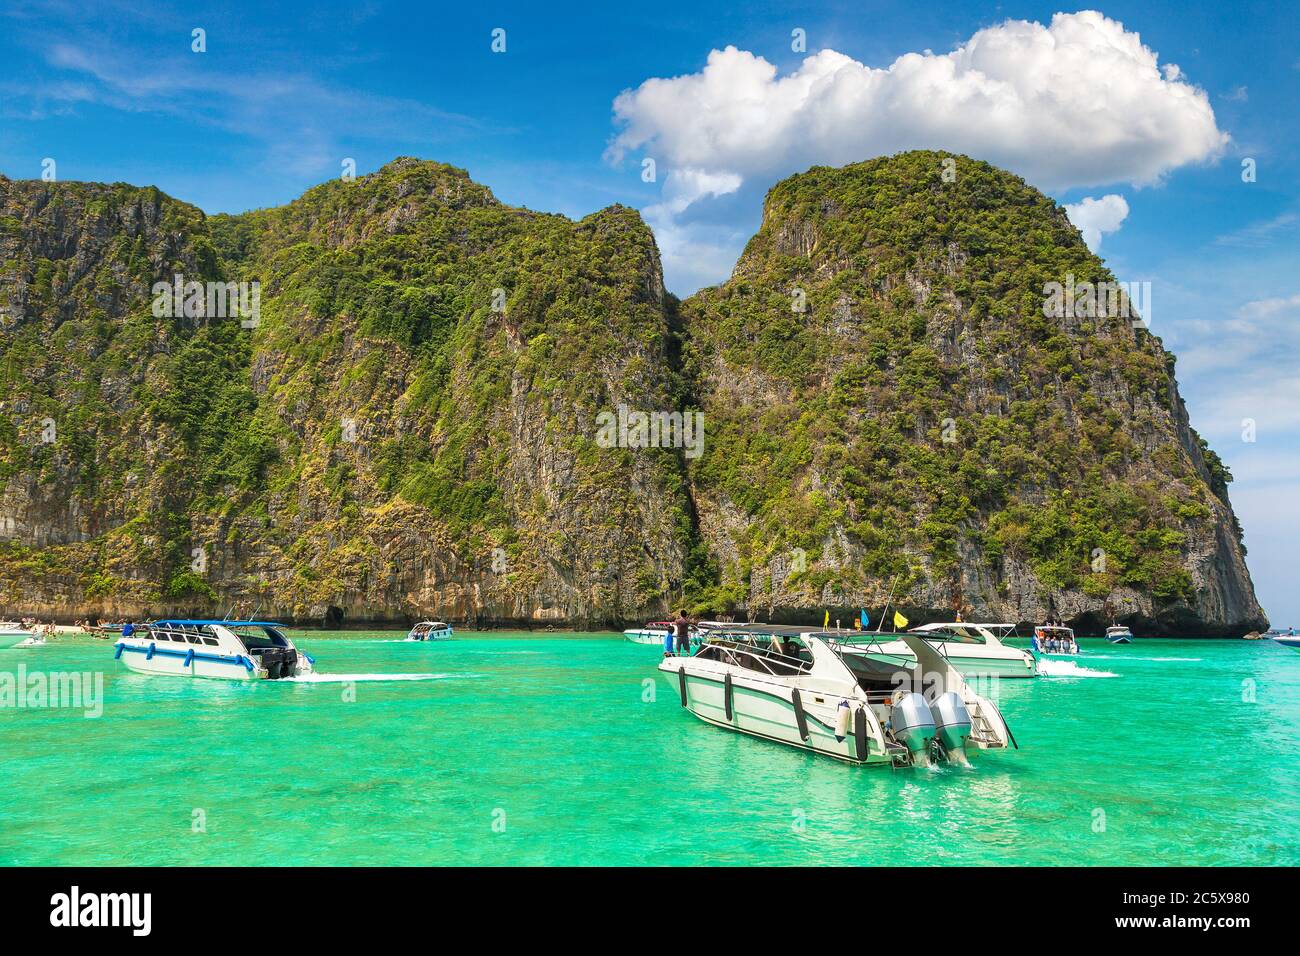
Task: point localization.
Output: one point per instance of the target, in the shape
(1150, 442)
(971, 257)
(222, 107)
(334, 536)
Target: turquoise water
(546, 750)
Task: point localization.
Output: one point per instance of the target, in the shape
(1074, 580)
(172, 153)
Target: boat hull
(12, 638)
(183, 663)
(769, 715)
(637, 636)
(442, 634)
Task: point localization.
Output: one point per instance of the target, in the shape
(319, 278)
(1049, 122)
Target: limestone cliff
(407, 422)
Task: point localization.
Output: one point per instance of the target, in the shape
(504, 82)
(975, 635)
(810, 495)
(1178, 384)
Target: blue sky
(112, 91)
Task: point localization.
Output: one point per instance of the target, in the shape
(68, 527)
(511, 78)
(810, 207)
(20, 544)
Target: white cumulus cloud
(1096, 217)
(1078, 103)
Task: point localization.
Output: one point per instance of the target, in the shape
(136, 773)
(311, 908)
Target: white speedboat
(820, 691)
(1119, 635)
(974, 649)
(1286, 639)
(430, 631)
(656, 632)
(1055, 641)
(14, 634)
(653, 633)
(232, 650)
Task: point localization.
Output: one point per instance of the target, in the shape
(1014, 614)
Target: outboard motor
(913, 726)
(952, 726)
(279, 662)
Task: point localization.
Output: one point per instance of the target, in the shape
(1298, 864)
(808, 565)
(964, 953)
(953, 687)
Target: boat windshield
(258, 635)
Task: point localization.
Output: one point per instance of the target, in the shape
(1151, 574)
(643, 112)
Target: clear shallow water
(551, 735)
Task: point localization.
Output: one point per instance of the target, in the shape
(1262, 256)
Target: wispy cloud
(298, 117)
(1260, 234)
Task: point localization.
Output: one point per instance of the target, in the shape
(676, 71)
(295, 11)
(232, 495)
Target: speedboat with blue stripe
(227, 650)
(430, 631)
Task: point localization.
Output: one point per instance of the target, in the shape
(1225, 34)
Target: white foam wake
(350, 678)
(1051, 668)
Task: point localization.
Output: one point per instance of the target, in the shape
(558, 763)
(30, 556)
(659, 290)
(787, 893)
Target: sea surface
(510, 748)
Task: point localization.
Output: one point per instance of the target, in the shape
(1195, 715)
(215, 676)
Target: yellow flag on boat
(899, 620)
(827, 621)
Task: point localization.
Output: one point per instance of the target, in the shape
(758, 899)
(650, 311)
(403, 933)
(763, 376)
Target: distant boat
(656, 632)
(1051, 640)
(430, 631)
(1119, 635)
(974, 649)
(1288, 639)
(653, 633)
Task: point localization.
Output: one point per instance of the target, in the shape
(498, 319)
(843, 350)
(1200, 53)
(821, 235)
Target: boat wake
(1125, 657)
(350, 678)
(1051, 668)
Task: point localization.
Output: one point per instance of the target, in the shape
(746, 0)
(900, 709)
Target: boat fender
(241, 659)
(148, 655)
(120, 649)
(842, 717)
(189, 657)
(681, 682)
(726, 695)
(800, 718)
(860, 733)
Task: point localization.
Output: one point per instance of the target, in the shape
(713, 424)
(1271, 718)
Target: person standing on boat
(682, 628)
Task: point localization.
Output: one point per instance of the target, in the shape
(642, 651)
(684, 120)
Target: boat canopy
(791, 630)
(195, 622)
(941, 624)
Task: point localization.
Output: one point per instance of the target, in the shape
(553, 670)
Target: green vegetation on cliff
(409, 426)
(886, 394)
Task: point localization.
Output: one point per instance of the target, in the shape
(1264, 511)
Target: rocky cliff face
(420, 414)
(406, 427)
(896, 401)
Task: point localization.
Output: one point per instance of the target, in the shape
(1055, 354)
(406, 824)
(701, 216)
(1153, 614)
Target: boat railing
(764, 656)
(873, 640)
